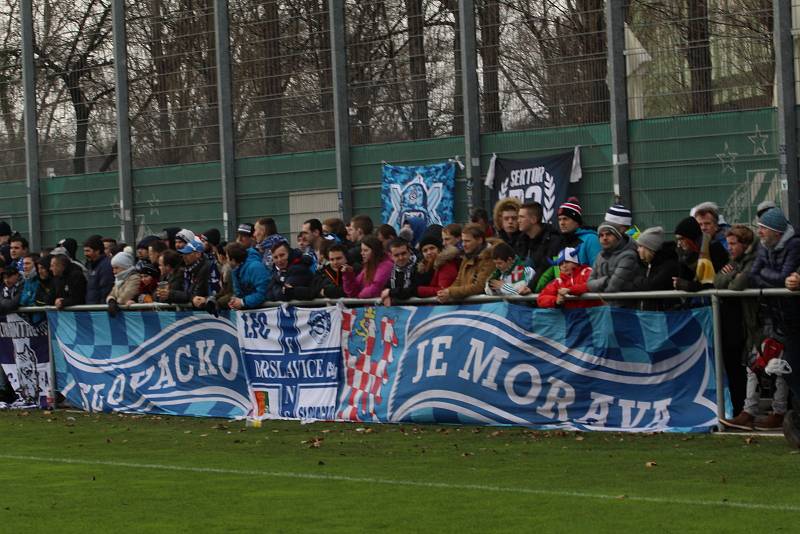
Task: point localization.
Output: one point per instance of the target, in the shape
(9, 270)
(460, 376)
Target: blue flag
(176, 363)
(595, 369)
(424, 192)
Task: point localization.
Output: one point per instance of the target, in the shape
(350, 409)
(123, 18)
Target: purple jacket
(357, 287)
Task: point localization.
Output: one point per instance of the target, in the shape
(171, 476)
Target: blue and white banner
(424, 192)
(599, 368)
(25, 359)
(177, 363)
(292, 358)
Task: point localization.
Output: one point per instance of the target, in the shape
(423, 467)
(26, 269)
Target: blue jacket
(250, 280)
(773, 265)
(588, 246)
(99, 280)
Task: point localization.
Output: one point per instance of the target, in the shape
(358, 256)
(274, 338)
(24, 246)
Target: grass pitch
(75, 472)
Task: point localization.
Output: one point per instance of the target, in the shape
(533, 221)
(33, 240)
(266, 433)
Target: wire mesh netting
(172, 82)
(282, 77)
(12, 130)
(404, 75)
(698, 56)
(541, 63)
(74, 87)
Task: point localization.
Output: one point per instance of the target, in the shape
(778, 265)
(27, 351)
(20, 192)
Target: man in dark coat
(100, 278)
(69, 283)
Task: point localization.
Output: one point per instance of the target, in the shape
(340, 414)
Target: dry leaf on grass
(651, 463)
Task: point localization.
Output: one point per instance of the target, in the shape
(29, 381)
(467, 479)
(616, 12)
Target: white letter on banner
(183, 377)
(555, 400)
(137, 379)
(206, 367)
(97, 398)
(627, 408)
(533, 392)
(420, 361)
(84, 390)
(437, 355)
(598, 411)
(118, 383)
(166, 375)
(479, 365)
(661, 416)
(234, 367)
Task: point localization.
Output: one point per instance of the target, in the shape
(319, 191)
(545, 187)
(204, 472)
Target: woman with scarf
(126, 281)
(695, 270)
(439, 266)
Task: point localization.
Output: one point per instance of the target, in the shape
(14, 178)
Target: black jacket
(70, 286)
(658, 277)
(536, 252)
(326, 279)
(297, 275)
(197, 285)
(99, 281)
(404, 281)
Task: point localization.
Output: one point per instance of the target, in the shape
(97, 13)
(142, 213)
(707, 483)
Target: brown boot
(773, 421)
(743, 421)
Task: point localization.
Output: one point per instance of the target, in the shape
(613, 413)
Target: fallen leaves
(313, 443)
(651, 463)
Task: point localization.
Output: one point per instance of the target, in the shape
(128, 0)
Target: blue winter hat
(774, 219)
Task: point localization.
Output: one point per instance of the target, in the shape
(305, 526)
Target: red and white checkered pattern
(365, 377)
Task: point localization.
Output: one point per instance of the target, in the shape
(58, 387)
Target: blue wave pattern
(590, 369)
(175, 363)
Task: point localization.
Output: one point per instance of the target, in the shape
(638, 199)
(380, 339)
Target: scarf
(120, 278)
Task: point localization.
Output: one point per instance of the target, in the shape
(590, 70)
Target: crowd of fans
(513, 253)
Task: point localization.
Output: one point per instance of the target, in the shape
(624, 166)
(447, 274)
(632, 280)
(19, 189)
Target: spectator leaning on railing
(571, 280)
(249, 277)
(100, 277)
(376, 268)
(779, 257)
(126, 281)
(696, 270)
(291, 269)
(661, 265)
(69, 282)
(538, 242)
(617, 266)
(510, 275)
(476, 266)
(741, 328)
(404, 279)
(439, 266)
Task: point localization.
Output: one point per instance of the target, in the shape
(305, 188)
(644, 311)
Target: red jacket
(577, 286)
(443, 277)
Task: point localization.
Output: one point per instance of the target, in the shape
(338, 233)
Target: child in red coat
(571, 281)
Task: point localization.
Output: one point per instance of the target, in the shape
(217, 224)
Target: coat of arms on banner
(292, 358)
(424, 192)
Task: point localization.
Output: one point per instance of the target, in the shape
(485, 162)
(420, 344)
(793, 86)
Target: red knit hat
(572, 209)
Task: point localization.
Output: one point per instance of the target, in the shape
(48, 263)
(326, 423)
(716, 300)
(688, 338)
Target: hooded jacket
(445, 271)
(616, 269)
(472, 274)
(250, 281)
(657, 276)
(576, 283)
(587, 243)
(297, 274)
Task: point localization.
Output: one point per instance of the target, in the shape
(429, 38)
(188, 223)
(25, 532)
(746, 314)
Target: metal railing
(714, 295)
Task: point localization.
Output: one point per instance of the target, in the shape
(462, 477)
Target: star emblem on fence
(759, 141)
(727, 158)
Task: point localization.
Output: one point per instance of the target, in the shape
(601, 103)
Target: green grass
(145, 474)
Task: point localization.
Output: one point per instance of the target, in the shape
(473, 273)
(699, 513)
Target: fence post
(618, 101)
(341, 113)
(127, 231)
(719, 366)
(31, 130)
(227, 164)
(472, 123)
(787, 114)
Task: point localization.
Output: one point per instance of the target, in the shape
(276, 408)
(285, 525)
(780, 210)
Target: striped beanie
(619, 215)
(572, 209)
